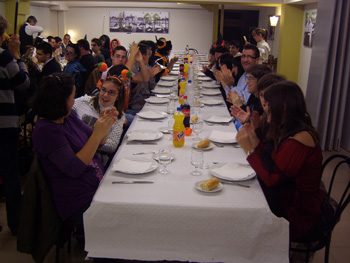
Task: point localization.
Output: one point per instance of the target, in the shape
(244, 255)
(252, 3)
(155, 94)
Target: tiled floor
(340, 246)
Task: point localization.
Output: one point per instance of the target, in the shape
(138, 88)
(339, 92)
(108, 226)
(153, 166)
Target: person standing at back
(260, 35)
(27, 31)
(13, 76)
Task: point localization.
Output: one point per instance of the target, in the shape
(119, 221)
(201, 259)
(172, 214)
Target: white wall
(305, 56)
(187, 26)
(47, 19)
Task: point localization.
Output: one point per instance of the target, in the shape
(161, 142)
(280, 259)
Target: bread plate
(214, 190)
(195, 145)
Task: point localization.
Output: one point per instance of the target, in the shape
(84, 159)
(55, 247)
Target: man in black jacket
(44, 55)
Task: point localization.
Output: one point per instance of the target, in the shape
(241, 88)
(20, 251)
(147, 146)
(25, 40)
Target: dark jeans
(9, 173)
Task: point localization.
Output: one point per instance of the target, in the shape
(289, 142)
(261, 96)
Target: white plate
(168, 78)
(210, 85)
(210, 92)
(211, 102)
(214, 190)
(195, 145)
(174, 72)
(156, 157)
(157, 100)
(144, 135)
(205, 78)
(152, 115)
(152, 167)
(219, 119)
(161, 91)
(162, 84)
(243, 177)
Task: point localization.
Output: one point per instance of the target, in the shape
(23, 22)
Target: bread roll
(209, 184)
(194, 118)
(203, 144)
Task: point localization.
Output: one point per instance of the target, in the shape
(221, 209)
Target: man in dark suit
(44, 55)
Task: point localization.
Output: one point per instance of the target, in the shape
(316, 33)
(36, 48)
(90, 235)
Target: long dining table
(170, 219)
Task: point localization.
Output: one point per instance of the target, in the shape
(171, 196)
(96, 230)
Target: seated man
(161, 57)
(44, 55)
(96, 46)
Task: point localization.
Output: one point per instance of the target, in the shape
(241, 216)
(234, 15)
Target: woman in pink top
(288, 159)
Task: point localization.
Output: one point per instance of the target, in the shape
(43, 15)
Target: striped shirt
(13, 75)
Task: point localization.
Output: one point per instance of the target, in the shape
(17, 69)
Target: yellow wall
(23, 10)
(291, 31)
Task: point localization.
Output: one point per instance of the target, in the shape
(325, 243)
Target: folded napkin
(211, 101)
(219, 119)
(132, 166)
(151, 114)
(233, 171)
(224, 137)
(142, 136)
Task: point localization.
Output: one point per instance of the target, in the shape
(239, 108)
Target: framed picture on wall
(139, 22)
(309, 27)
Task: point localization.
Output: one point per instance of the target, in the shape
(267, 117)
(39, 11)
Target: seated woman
(74, 68)
(288, 159)
(161, 57)
(88, 109)
(66, 147)
(241, 111)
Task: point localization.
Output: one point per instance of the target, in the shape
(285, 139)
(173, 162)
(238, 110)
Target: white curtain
(328, 92)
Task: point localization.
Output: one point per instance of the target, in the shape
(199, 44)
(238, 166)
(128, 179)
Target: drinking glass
(196, 160)
(164, 158)
(171, 108)
(171, 123)
(197, 129)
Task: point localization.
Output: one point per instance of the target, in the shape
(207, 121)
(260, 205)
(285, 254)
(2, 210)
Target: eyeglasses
(110, 92)
(248, 57)
(69, 52)
(93, 45)
(251, 78)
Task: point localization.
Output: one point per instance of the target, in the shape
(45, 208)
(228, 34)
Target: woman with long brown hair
(288, 159)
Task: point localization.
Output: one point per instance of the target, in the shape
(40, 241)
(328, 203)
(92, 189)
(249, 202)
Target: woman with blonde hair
(260, 36)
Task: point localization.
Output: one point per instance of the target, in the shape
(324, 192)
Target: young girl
(87, 108)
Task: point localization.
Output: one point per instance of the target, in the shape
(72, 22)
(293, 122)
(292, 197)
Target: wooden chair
(331, 210)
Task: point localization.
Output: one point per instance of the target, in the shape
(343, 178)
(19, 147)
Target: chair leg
(326, 255)
(58, 254)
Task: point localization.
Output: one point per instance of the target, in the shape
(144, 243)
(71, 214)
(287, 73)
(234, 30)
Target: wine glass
(196, 160)
(171, 108)
(197, 129)
(164, 158)
(204, 164)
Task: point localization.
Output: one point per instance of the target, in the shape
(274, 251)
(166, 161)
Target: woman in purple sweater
(66, 146)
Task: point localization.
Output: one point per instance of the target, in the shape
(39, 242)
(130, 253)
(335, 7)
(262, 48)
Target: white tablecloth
(172, 220)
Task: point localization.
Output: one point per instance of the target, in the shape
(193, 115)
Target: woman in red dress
(288, 159)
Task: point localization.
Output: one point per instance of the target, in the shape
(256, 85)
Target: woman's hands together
(246, 138)
(104, 123)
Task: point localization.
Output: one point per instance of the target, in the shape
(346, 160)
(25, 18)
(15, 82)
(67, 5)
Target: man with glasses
(249, 58)
(96, 45)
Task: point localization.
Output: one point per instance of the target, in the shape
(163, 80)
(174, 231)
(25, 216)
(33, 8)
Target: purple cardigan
(72, 182)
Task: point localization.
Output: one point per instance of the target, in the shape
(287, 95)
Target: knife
(132, 182)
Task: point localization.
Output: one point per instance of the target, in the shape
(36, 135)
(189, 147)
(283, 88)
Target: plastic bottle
(182, 90)
(186, 109)
(179, 128)
(186, 70)
(189, 92)
(191, 71)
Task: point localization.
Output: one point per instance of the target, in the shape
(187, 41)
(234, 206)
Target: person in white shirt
(27, 32)
(260, 35)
